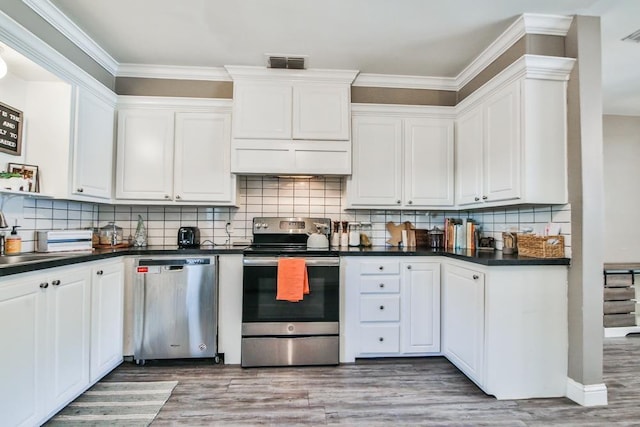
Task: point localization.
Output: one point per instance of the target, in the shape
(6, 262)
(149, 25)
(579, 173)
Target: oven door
(259, 289)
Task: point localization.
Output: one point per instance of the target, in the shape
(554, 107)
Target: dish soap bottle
(13, 243)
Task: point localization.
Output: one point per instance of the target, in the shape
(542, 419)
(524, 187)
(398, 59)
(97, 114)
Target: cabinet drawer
(380, 339)
(379, 308)
(383, 284)
(380, 267)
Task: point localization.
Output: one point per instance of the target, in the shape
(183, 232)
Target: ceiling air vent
(297, 62)
(633, 37)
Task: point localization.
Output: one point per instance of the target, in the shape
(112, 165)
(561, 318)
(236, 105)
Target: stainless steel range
(283, 333)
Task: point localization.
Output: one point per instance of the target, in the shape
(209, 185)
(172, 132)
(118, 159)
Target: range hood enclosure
(291, 122)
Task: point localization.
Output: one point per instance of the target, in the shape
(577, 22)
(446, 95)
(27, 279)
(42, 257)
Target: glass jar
(111, 234)
(366, 234)
(436, 238)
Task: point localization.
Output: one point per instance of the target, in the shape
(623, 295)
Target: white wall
(13, 93)
(621, 189)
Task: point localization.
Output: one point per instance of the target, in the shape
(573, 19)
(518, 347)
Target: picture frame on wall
(10, 130)
(28, 172)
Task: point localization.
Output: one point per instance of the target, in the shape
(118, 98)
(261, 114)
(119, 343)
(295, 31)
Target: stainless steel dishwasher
(175, 308)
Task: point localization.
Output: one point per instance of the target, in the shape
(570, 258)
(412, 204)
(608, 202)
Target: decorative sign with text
(10, 130)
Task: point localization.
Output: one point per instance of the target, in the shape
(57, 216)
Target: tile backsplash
(265, 196)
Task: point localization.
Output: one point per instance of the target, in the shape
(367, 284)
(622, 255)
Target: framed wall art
(28, 172)
(10, 130)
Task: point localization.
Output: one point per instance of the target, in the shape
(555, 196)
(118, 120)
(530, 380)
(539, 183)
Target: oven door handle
(273, 261)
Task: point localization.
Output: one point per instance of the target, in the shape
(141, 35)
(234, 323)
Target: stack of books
(460, 234)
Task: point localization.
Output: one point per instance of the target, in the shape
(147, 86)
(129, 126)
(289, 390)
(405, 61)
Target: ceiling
(434, 38)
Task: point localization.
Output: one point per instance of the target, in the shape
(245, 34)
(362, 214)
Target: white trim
(178, 72)
(587, 395)
(405, 82)
(240, 72)
(527, 23)
(71, 31)
(26, 43)
(621, 331)
(392, 110)
(173, 103)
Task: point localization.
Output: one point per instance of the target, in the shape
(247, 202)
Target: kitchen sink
(32, 257)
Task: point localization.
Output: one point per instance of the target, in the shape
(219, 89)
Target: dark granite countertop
(489, 258)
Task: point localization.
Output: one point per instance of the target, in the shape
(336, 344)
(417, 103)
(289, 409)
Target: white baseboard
(587, 395)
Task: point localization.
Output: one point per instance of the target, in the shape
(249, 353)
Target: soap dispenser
(13, 243)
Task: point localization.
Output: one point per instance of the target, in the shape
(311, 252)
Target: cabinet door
(107, 308)
(377, 162)
(22, 316)
(203, 158)
(469, 134)
(93, 148)
(145, 154)
(68, 333)
(463, 320)
(502, 143)
(428, 162)
(420, 307)
(321, 111)
(262, 110)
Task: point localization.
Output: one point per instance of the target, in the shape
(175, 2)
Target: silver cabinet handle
(398, 201)
(44, 285)
(382, 307)
(485, 197)
(380, 339)
(476, 277)
(410, 202)
(80, 190)
(477, 199)
(166, 196)
(381, 268)
(177, 197)
(381, 285)
(408, 267)
(99, 272)
(55, 282)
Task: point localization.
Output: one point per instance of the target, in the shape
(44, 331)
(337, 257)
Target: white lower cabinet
(393, 307)
(48, 319)
(463, 320)
(506, 327)
(107, 314)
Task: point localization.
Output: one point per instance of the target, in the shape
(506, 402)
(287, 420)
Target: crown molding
(240, 72)
(177, 72)
(170, 102)
(393, 110)
(71, 31)
(26, 43)
(405, 82)
(527, 23)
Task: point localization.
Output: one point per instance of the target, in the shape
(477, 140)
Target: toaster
(188, 237)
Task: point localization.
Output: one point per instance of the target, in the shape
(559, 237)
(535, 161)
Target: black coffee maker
(188, 237)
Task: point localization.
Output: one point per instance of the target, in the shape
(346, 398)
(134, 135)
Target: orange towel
(293, 282)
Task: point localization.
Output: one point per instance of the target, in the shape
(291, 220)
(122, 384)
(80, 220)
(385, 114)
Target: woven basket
(540, 246)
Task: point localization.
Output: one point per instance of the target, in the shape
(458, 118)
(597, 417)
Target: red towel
(293, 282)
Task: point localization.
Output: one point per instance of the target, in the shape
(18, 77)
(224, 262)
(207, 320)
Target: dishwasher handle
(178, 263)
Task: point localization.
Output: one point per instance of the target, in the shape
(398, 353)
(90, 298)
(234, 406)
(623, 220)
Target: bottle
(13, 243)
(335, 236)
(140, 238)
(344, 236)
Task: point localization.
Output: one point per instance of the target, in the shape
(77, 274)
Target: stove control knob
(265, 225)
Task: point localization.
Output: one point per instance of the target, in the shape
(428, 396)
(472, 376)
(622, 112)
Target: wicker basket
(540, 246)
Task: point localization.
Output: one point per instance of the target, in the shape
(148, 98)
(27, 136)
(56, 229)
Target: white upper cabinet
(291, 121)
(174, 152)
(511, 137)
(93, 149)
(321, 111)
(145, 154)
(262, 110)
(402, 157)
(202, 157)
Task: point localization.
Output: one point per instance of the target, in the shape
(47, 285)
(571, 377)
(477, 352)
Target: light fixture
(3, 65)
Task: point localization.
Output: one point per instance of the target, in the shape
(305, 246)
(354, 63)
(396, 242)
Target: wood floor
(427, 391)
